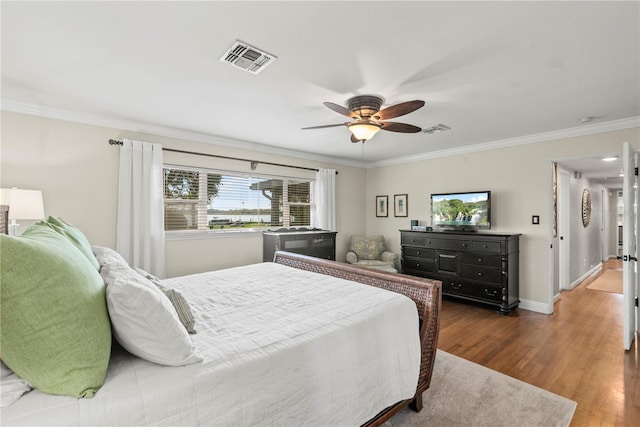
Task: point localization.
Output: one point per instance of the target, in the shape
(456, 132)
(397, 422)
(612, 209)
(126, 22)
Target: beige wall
(77, 170)
(519, 178)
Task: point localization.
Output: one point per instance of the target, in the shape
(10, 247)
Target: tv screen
(461, 211)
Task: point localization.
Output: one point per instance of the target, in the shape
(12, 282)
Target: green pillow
(76, 237)
(56, 333)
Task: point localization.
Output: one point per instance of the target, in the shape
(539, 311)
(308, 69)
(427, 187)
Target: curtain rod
(254, 163)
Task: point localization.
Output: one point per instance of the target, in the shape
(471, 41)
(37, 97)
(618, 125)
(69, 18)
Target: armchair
(371, 252)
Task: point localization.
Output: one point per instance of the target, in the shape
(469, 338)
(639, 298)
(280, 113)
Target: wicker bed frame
(427, 294)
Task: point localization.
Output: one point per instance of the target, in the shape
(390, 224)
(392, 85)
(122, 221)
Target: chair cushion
(367, 247)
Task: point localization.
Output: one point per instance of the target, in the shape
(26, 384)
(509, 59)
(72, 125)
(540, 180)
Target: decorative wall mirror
(586, 207)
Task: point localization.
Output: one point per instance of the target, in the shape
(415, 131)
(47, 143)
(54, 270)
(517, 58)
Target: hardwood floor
(577, 352)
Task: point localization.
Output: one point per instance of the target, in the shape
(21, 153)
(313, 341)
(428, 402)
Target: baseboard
(584, 276)
(538, 307)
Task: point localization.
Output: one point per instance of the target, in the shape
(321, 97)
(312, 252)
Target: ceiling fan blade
(354, 139)
(400, 127)
(399, 109)
(324, 126)
(340, 109)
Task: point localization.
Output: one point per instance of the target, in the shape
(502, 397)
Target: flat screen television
(468, 211)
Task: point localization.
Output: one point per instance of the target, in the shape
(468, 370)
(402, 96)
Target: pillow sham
(56, 333)
(75, 236)
(144, 321)
(180, 304)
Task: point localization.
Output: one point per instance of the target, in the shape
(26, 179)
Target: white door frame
(629, 247)
(564, 228)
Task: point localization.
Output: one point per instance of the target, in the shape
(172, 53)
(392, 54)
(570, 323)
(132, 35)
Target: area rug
(463, 393)
(609, 281)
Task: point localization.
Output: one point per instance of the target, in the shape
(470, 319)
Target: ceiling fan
(369, 118)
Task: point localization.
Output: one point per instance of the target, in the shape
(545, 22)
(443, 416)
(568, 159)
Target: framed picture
(400, 207)
(382, 205)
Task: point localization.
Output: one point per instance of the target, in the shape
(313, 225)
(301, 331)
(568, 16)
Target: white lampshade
(23, 204)
(364, 131)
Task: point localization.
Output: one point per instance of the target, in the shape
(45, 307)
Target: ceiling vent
(437, 128)
(247, 57)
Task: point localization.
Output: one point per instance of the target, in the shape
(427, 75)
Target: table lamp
(23, 205)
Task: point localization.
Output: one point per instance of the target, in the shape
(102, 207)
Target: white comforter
(280, 346)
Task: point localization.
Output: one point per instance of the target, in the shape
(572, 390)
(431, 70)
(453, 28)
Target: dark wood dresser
(475, 266)
(306, 241)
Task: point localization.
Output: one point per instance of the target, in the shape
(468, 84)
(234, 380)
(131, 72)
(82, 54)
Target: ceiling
(493, 72)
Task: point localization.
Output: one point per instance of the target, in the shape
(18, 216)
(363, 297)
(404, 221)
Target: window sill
(210, 234)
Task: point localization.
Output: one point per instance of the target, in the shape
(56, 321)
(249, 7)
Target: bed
(298, 341)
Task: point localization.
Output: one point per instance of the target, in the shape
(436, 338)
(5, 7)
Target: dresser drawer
(413, 240)
(410, 251)
(454, 245)
(482, 259)
(418, 264)
(472, 290)
(484, 274)
(424, 242)
(483, 246)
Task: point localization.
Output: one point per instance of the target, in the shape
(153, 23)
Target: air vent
(247, 57)
(437, 128)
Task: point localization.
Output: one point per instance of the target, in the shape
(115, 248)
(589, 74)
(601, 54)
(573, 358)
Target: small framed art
(382, 206)
(400, 207)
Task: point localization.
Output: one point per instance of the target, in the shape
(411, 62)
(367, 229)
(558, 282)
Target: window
(205, 199)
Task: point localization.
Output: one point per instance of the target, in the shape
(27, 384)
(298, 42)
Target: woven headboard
(4, 219)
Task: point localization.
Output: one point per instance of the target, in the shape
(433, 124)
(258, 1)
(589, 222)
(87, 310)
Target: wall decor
(400, 206)
(382, 206)
(586, 207)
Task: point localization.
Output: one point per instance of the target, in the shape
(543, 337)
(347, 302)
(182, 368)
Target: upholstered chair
(371, 252)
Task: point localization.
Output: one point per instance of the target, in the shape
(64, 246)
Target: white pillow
(11, 386)
(108, 256)
(144, 320)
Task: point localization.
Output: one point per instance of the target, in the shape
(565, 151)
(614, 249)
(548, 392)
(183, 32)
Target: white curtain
(140, 223)
(325, 200)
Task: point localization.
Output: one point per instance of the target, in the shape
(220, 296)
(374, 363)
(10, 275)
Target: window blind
(206, 199)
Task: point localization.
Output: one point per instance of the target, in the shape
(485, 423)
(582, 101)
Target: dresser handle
(479, 259)
(464, 245)
(417, 264)
(458, 286)
(479, 273)
(417, 252)
(490, 293)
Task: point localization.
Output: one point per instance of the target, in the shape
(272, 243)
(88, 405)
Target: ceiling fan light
(364, 131)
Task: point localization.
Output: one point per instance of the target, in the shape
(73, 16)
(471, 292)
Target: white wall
(76, 169)
(519, 178)
(586, 242)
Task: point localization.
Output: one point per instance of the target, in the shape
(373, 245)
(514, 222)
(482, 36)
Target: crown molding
(135, 126)
(169, 132)
(612, 125)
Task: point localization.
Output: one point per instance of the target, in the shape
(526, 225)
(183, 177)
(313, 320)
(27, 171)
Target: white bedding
(280, 346)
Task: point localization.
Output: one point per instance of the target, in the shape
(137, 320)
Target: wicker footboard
(427, 294)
